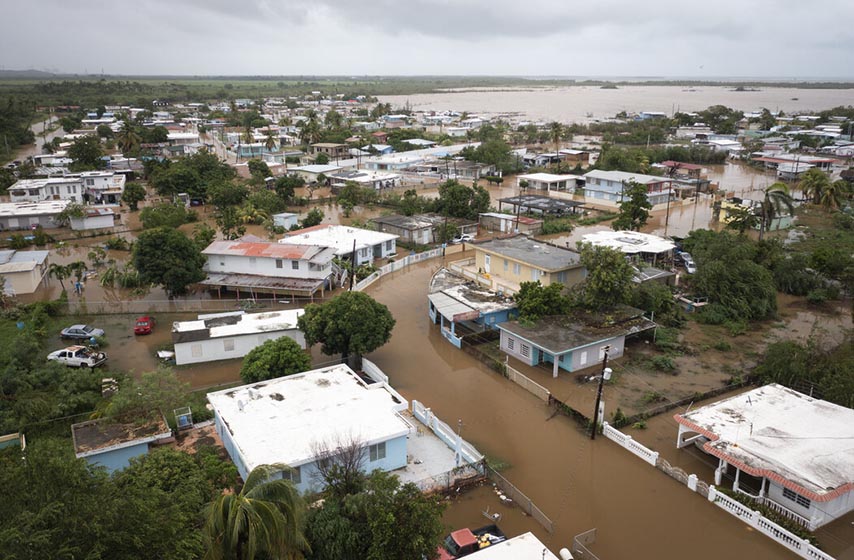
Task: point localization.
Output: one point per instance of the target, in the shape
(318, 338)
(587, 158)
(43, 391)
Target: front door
(486, 263)
(582, 360)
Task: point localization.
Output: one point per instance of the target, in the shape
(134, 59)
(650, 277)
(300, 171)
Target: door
(487, 260)
(582, 360)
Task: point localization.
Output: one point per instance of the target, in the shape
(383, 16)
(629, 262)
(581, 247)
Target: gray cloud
(554, 37)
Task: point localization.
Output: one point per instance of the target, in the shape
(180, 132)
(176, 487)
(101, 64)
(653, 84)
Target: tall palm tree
(831, 197)
(60, 272)
(777, 198)
(270, 140)
(813, 184)
(556, 132)
(127, 139)
(264, 518)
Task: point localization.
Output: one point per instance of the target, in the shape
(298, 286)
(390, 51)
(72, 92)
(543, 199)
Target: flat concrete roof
(99, 436)
(532, 252)
(544, 204)
(630, 242)
(523, 547)
(621, 176)
(48, 207)
(546, 177)
(798, 441)
(235, 323)
(338, 237)
(283, 420)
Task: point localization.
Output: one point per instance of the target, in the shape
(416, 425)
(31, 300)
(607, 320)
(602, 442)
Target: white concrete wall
(23, 282)
(264, 266)
(215, 349)
(93, 222)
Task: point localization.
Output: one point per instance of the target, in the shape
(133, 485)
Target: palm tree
(777, 198)
(813, 184)
(831, 197)
(60, 272)
(556, 132)
(128, 140)
(270, 140)
(264, 518)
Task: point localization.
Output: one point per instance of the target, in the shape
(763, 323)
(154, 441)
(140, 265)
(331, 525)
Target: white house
(368, 245)
(289, 419)
(223, 336)
(99, 187)
(548, 181)
(522, 547)
(788, 451)
(371, 179)
(609, 186)
(27, 215)
(285, 219)
(631, 243)
(94, 218)
(22, 271)
(311, 172)
(272, 268)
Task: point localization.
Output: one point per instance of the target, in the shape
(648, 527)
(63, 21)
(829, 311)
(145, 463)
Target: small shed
(94, 218)
(114, 445)
(285, 219)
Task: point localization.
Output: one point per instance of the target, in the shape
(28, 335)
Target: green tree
(267, 201)
(411, 203)
(167, 214)
(535, 301)
(169, 258)
(321, 159)
(351, 324)
(313, 218)
(263, 520)
(634, 209)
(104, 131)
(742, 219)
(203, 235)
(133, 195)
(459, 201)
(813, 184)
(285, 186)
(60, 272)
(834, 194)
(775, 202)
(86, 153)
(128, 139)
(227, 193)
(259, 170)
(154, 395)
(275, 358)
(556, 133)
(609, 277)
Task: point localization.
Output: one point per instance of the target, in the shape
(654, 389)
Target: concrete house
(503, 264)
(548, 181)
(94, 218)
(286, 420)
(22, 271)
(29, 215)
(788, 451)
(460, 306)
(571, 343)
(113, 445)
(255, 267)
(497, 222)
(285, 219)
(371, 179)
(419, 229)
(636, 245)
(609, 186)
(223, 336)
(333, 150)
(99, 187)
(367, 245)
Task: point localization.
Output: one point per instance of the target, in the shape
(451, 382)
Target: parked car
(144, 325)
(81, 332)
(466, 541)
(690, 267)
(463, 238)
(78, 356)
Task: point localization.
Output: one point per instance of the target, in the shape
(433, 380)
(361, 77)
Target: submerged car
(463, 238)
(78, 356)
(144, 325)
(81, 332)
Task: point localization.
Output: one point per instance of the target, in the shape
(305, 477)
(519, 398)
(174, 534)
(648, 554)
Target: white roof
(281, 420)
(524, 547)
(630, 242)
(248, 323)
(788, 436)
(11, 209)
(620, 176)
(338, 237)
(547, 177)
(317, 168)
(182, 135)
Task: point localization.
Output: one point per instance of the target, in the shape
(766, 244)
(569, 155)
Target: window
(388, 245)
(278, 263)
(562, 277)
(535, 275)
(511, 343)
(525, 350)
(90, 182)
(517, 269)
(795, 497)
(377, 451)
(294, 475)
(228, 344)
(506, 265)
(295, 265)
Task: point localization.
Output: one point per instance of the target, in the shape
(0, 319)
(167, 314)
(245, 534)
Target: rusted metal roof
(313, 253)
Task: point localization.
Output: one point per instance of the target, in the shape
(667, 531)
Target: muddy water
(581, 103)
(579, 484)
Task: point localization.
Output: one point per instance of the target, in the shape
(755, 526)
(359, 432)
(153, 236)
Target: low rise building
(610, 186)
(548, 181)
(286, 220)
(371, 179)
(112, 446)
(643, 246)
(419, 229)
(94, 218)
(22, 271)
(30, 215)
(495, 222)
(346, 241)
(786, 450)
(99, 187)
(224, 336)
(331, 149)
(311, 172)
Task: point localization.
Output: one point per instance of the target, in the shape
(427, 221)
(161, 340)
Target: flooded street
(583, 103)
(638, 511)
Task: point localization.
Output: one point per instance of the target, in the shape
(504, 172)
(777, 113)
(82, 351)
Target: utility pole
(602, 378)
(353, 271)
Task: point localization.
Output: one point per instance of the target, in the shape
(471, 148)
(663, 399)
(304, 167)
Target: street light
(606, 375)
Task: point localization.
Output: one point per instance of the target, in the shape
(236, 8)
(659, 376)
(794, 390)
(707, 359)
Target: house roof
(798, 441)
(312, 253)
(522, 219)
(411, 223)
(235, 323)
(48, 207)
(283, 420)
(543, 203)
(337, 237)
(630, 242)
(317, 168)
(535, 253)
(562, 333)
(621, 176)
(459, 299)
(98, 436)
(260, 283)
(547, 177)
(522, 547)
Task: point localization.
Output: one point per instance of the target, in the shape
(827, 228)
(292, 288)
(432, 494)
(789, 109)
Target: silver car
(81, 332)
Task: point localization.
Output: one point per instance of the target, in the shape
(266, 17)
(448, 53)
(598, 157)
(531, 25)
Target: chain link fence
(520, 499)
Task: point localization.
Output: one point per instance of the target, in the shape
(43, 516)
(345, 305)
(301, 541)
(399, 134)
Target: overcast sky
(754, 38)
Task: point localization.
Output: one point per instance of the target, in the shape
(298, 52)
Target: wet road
(639, 511)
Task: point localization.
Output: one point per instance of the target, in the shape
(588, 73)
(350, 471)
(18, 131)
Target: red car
(143, 325)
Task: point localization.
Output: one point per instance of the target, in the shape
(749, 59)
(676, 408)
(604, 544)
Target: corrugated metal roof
(448, 307)
(314, 253)
(260, 282)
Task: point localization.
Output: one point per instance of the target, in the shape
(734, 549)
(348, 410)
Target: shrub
(736, 328)
(817, 296)
(619, 419)
(663, 363)
(722, 346)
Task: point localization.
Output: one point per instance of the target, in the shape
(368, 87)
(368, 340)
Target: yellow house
(503, 264)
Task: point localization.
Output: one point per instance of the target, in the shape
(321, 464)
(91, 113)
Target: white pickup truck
(78, 356)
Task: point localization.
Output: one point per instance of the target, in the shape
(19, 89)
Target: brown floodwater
(639, 512)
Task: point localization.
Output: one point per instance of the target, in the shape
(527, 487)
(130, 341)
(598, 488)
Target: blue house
(113, 445)
(572, 342)
(311, 417)
(462, 306)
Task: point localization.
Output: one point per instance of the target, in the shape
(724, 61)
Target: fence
(520, 499)
(580, 544)
(146, 306)
(527, 383)
(458, 477)
(397, 265)
(468, 453)
(755, 519)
